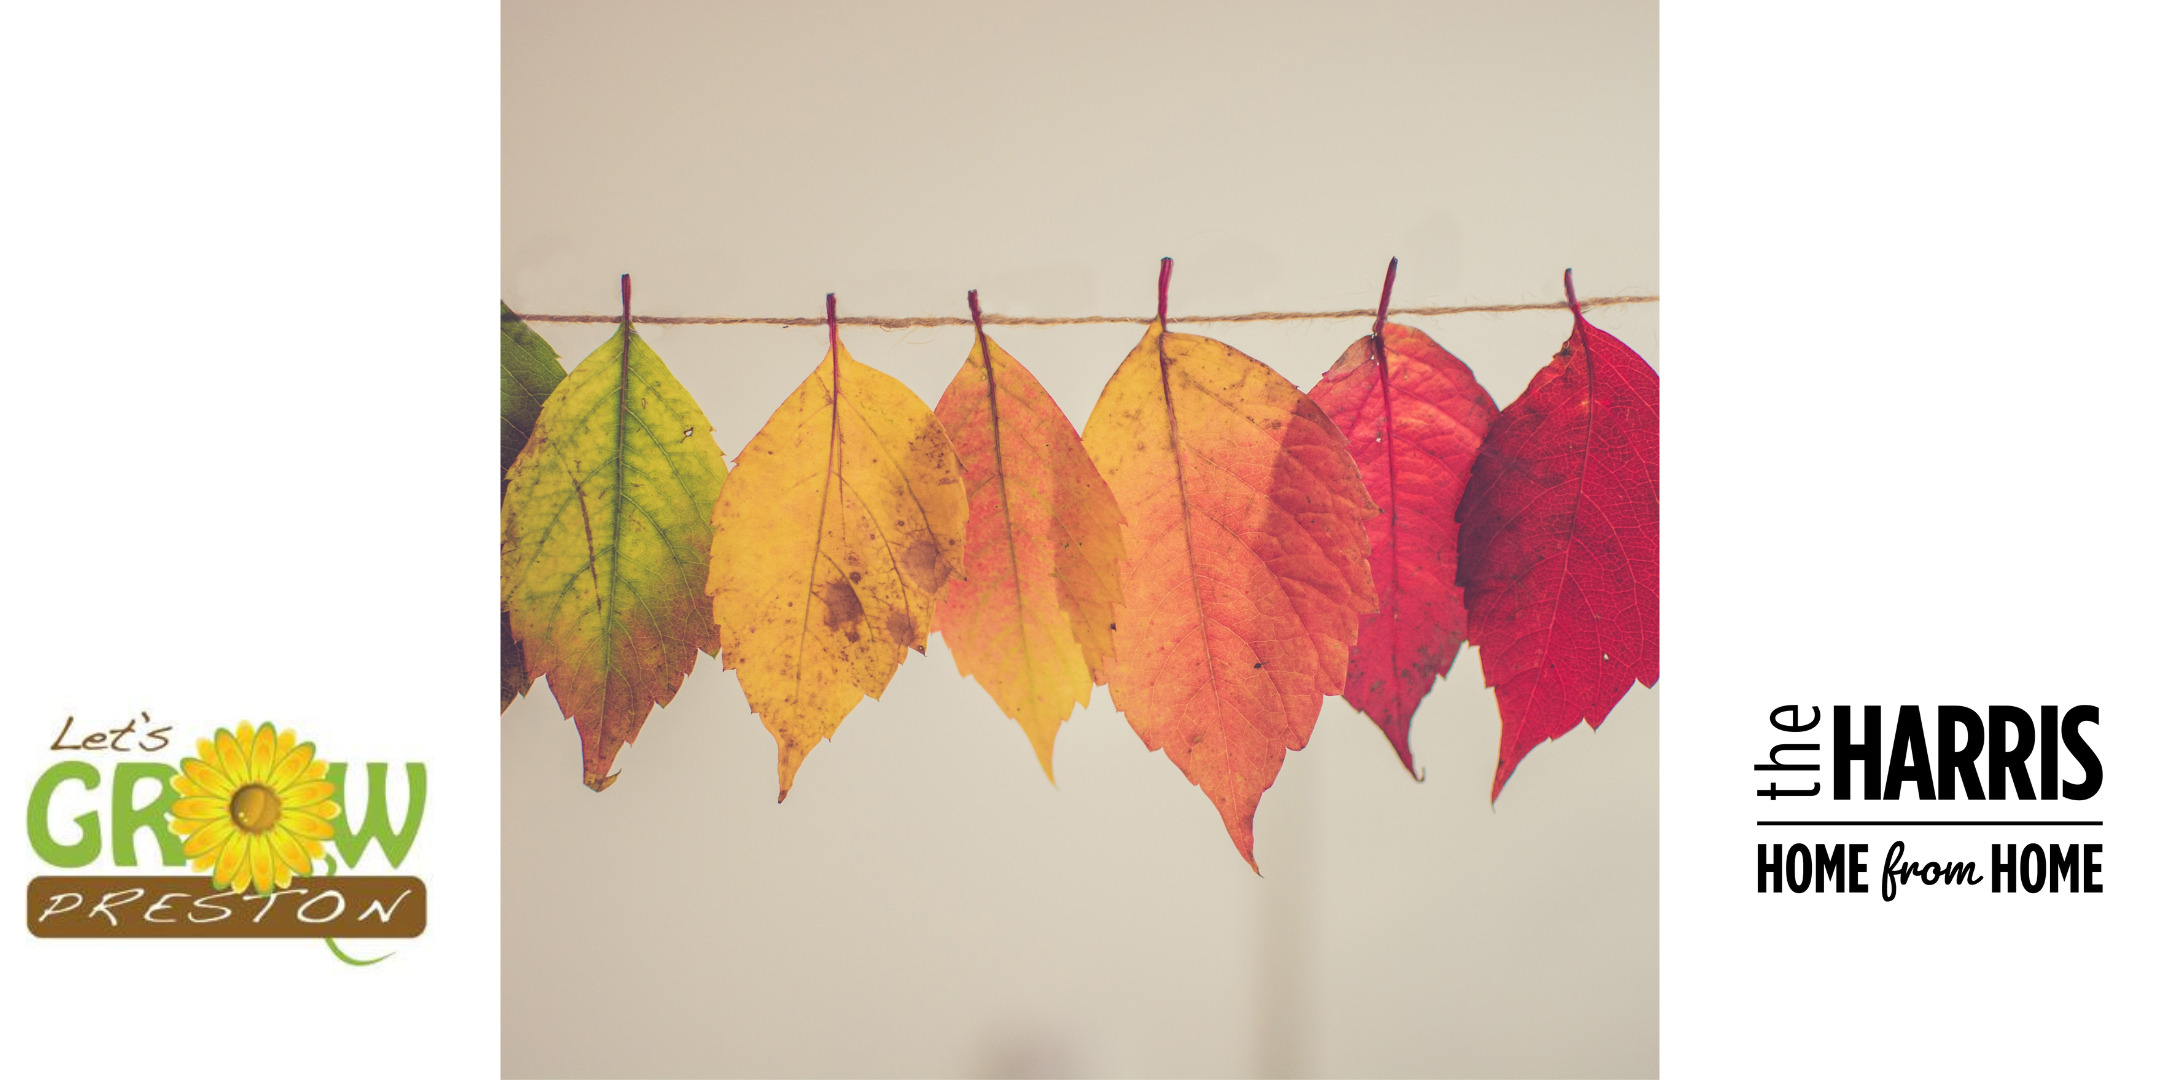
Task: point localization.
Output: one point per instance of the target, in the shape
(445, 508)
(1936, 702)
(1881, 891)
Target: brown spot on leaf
(842, 607)
(922, 564)
(900, 626)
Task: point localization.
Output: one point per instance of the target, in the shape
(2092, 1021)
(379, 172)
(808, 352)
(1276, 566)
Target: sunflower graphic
(254, 808)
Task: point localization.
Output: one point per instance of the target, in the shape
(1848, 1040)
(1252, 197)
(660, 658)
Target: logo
(2001, 757)
(258, 817)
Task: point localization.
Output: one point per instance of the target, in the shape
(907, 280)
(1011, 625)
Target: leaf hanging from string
(1246, 560)
(1414, 416)
(1560, 542)
(1031, 619)
(606, 532)
(846, 514)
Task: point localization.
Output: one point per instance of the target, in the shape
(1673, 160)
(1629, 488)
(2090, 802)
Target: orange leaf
(841, 522)
(1031, 621)
(1415, 417)
(1246, 561)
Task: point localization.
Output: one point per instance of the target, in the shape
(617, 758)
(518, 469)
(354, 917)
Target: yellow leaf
(844, 517)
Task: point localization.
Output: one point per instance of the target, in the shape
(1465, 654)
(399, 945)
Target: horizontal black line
(1902, 824)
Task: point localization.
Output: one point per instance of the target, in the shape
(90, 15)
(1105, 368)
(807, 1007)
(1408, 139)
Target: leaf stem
(1162, 294)
(832, 334)
(1387, 289)
(1567, 278)
(626, 299)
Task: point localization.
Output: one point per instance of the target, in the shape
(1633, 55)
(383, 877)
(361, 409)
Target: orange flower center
(255, 808)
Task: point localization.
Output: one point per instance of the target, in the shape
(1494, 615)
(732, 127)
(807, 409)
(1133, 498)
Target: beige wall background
(925, 903)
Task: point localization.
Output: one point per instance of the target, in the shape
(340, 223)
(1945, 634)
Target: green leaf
(606, 534)
(530, 371)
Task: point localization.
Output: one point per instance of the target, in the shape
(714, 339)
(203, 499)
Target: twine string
(1073, 320)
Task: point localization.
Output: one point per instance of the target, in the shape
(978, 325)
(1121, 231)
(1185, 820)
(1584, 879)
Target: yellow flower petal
(317, 770)
(261, 862)
(188, 789)
(230, 758)
(307, 825)
(263, 754)
(283, 750)
(281, 874)
(289, 767)
(300, 796)
(202, 809)
(312, 846)
(207, 838)
(202, 862)
(289, 852)
(186, 827)
(205, 773)
(231, 871)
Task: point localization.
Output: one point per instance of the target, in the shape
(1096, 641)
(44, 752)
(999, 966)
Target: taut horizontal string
(1072, 320)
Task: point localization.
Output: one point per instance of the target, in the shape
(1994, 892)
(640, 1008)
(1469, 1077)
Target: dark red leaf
(1559, 561)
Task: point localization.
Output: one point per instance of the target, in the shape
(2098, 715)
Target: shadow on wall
(1026, 1052)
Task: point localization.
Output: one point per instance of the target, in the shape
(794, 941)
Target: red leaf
(1560, 543)
(1415, 417)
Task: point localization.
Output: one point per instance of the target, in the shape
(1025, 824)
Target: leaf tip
(1043, 746)
(1500, 778)
(601, 783)
(1402, 751)
(1241, 835)
(790, 760)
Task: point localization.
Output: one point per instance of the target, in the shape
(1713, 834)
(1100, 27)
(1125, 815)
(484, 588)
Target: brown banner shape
(190, 907)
